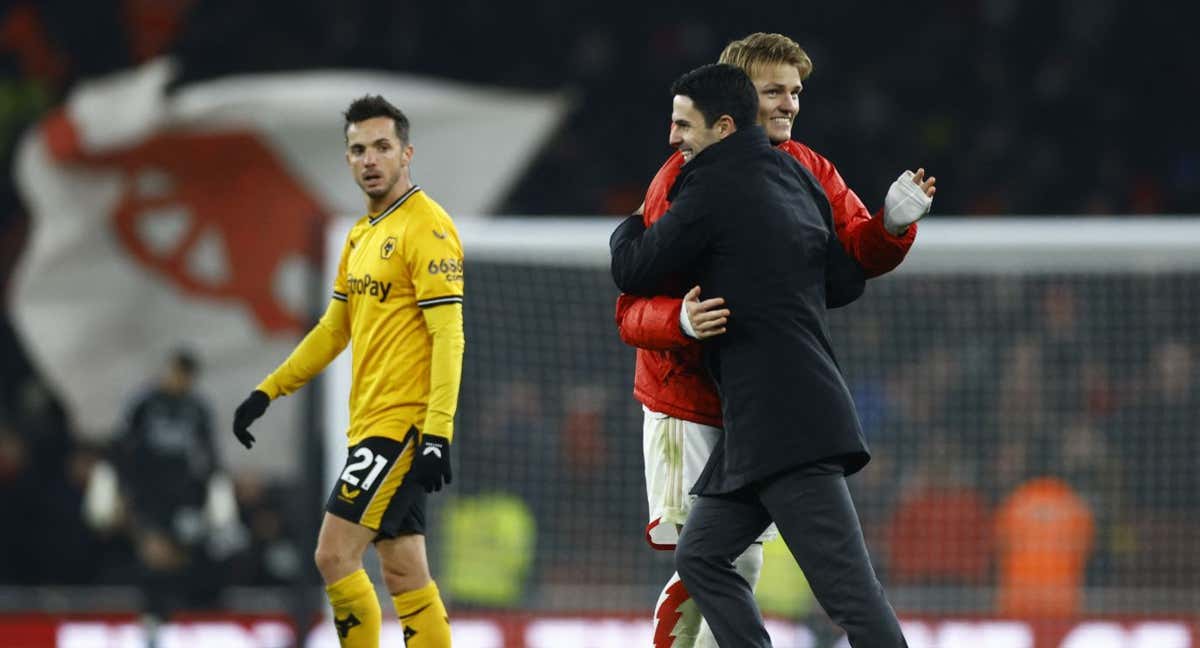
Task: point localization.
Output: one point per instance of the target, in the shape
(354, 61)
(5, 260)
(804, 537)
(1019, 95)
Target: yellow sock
(423, 615)
(356, 612)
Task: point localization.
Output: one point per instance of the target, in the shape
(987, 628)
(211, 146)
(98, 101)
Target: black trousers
(816, 517)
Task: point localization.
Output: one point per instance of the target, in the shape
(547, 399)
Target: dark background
(1059, 107)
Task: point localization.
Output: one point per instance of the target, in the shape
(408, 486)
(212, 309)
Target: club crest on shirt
(388, 248)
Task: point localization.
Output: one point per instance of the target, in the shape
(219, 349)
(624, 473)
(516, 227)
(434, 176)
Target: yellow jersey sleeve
(339, 281)
(435, 258)
(323, 343)
(445, 324)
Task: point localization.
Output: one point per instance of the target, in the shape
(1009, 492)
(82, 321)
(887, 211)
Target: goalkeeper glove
(432, 462)
(904, 205)
(253, 407)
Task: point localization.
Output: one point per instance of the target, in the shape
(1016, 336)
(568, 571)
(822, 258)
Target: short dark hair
(719, 89)
(371, 106)
(184, 359)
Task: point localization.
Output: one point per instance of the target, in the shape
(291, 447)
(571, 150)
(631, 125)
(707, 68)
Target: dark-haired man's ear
(725, 126)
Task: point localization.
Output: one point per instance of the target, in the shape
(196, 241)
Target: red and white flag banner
(194, 215)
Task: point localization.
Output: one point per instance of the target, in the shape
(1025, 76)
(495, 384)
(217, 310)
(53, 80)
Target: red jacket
(670, 377)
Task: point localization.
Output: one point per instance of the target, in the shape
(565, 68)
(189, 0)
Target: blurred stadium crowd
(1066, 107)
(45, 471)
(969, 388)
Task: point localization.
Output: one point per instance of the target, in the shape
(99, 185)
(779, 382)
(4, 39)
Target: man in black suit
(748, 223)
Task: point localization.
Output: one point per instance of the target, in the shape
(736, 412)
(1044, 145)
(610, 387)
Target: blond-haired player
(398, 297)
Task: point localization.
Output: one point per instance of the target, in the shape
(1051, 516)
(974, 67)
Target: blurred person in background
(39, 485)
(1156, 431)
(18, 495)
(1163, 417)
(180, 504)
(514, 431)
(679, 401)
(399, 295)
(1045, 534)
(273, 557)
(937, 504)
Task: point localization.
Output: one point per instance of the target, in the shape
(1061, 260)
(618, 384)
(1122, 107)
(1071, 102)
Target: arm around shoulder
(643, 258)
(626, 245)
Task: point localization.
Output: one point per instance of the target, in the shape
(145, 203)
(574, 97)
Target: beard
(379, 192)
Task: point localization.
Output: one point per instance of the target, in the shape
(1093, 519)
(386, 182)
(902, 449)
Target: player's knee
(688, 560)
(401, 578)
(333, 564)
(749, 564)
(404, 568)
(405, 578)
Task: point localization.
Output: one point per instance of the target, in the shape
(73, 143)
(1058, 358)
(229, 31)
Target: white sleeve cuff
(685, 324)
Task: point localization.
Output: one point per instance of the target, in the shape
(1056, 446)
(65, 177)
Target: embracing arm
(643, 258)
(652, 322)
(844, 277)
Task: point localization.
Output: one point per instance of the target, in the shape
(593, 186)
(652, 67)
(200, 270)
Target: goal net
(1029, 389)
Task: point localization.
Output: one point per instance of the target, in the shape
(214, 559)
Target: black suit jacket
(753, 226)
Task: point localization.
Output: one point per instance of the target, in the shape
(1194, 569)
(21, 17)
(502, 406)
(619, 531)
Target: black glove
(432, 462)
(253, 407)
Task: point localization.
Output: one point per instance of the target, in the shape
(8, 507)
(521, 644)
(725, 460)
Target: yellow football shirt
(397, 267)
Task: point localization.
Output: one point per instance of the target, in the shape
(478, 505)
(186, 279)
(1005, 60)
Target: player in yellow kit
(398, 297)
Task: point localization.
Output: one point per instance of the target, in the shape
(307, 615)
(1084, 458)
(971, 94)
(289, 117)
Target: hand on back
(707, 318)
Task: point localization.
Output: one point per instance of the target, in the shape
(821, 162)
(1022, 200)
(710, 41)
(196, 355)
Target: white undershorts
(675, 452)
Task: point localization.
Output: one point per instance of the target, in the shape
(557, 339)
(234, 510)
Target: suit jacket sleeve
(642, 258)
(845, 278)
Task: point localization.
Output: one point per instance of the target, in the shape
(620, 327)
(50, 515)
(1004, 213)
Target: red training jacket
(670, 377)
